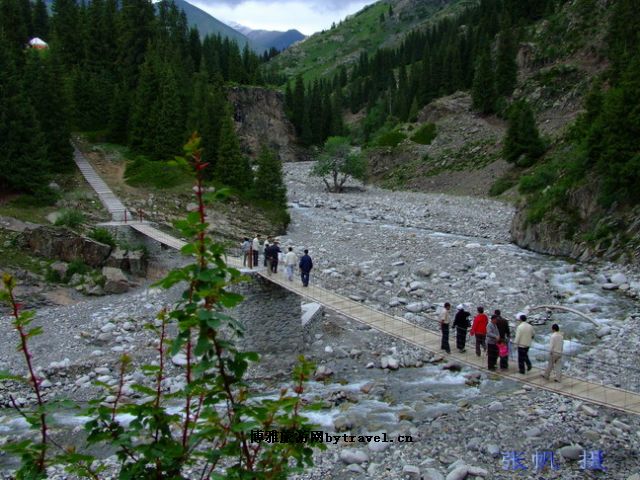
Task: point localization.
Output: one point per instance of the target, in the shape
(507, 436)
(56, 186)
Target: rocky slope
(260, 120)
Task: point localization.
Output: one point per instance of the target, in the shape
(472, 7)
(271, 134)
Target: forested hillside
(528, 70)
(125, 72)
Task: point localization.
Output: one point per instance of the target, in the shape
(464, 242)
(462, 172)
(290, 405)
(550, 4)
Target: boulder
(115, 280)
(64, 244)
(132, 261)
(619, 278)
(458, 473)
(411, 471)
(60, 268)
(571, 452)
(353, 455)
(432, 474)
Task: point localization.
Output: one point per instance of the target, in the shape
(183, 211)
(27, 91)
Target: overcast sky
(308, 16)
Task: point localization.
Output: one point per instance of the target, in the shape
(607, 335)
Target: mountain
(209, 25)
(268, 39)
(380, 24)
(445, 108)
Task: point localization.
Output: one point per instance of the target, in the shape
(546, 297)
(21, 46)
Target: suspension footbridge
(590, 391)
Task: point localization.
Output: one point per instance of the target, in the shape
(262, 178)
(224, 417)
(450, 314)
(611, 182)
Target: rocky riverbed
(404, 253)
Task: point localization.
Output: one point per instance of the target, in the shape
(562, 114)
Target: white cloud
(307, 16)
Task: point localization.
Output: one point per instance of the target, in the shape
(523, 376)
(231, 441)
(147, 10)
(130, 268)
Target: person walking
(556, 345)
(290, 261)
(479, 329)
(493, 335)
(245, 247)
(255, 249)
(306, 264)
(461, 323)
(445, 319)
(275, 256)
(523, 340)
(267, 243)
(505, 335)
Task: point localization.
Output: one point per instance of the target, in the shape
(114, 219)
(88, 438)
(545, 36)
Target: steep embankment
(260, 120)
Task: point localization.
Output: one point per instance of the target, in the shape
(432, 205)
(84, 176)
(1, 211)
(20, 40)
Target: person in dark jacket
(461, 323)
(306, 264)
(505, 335)
(493, 335)
(275, 256)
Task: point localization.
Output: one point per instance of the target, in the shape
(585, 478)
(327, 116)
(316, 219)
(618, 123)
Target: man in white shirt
(255, 248)
(523, 340)
(445, 319)
(556, 345)
(290, 262)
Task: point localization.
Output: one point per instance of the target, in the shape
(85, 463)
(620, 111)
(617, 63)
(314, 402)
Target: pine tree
(67, 39)
(522, 143)
(506, 67)
(232, 167)
(169, 127)
(269, 184)
(483, 92)
(23, 147)
(298, 105)
(45, 94)
(40, 20)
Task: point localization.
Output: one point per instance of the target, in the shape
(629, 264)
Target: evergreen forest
(129, 72)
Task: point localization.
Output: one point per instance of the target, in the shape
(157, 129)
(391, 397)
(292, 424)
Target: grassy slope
(320, 54)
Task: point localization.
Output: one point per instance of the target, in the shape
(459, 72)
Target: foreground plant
(209, 432)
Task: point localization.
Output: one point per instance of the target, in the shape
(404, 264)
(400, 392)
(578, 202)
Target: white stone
(109, 327)
(411, 471)
(571, 452)
(378, 446)
(459, 473)
(415, 307)
(589, 411)
(328, 349)
(619, 278)
(353, 455)
(179, 359)
(477, 471)
(604, 331)
(432, 474)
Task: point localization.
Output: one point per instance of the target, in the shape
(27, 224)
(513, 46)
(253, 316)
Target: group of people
(272, 255)
(493, 336)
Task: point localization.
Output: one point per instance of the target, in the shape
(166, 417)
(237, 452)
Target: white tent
(38, 43)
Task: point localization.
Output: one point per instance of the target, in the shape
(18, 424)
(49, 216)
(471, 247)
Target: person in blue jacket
(306, 264)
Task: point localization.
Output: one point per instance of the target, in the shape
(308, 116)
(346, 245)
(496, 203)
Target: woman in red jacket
(479, 329)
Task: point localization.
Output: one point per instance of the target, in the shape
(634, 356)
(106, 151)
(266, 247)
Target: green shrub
(102, 235)
(143, 172)
(70, 218)
(218, 412)
(76, 266)
(425, 134)
(390, 139)
(536, 181)
(52, 276)
(501, 185)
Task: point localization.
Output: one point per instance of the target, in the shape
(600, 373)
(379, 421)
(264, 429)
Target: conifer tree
(40, 20)
(506, 67)
(46, 96)
(23, 147)
(298, 105)
(269, 184)
(522, 143)
(232, 167)
(483, 92)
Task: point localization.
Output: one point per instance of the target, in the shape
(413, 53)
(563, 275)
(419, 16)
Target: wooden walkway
(611, 397)
(112, 203)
